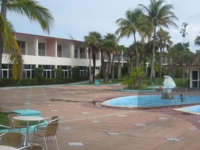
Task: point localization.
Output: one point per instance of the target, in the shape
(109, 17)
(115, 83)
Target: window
(29, 71)
(22, 47)
(66, 71)
(59, 50)
(41, 49)
(6, 71)
(83, 71)
(48, 71)
(82, 53)
(76, 52)
(194, 75)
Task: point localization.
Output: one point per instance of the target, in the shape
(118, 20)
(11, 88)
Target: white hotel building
(49, 53)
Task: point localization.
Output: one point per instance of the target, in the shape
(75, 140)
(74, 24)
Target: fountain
(169, 84)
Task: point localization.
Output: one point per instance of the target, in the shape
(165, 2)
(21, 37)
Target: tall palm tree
(197, 41)
(130, 26)
(159, 15)
(163, 43)
(112, 37)
(34, 12)
(107, 45)
(95, 49)
(121, 49)
(90, 43)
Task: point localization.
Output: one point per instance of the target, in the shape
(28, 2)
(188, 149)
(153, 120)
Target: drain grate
(65, 128)
(141, 125)
(121, 115)
(75, 143)
(162, 118)
(173, 139)
(113, 133)
(96, 121)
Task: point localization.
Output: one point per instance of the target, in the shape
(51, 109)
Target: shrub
(58, 72)
(67, 80)
(7, 82)
(127, 80)
(28, 82)
(75, 74)
(38, 74)
(48, 81)
(124, 71)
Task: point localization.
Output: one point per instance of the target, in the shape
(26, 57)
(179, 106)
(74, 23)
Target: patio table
(28, 119)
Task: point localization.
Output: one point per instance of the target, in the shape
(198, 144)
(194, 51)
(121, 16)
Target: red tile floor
(99, 128)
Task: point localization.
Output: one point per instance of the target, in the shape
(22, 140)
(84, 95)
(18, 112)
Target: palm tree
(163, 42)
(130, 26)
(95, 49)
(108, 45)
(159, 15)
(121, 49)
(90, 43)
(34, 12)
(112, 37)
(197, 41)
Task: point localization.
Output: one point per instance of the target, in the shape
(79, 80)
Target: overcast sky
(77, 18)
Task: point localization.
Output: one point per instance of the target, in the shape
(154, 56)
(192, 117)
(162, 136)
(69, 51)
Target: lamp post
(183, 32)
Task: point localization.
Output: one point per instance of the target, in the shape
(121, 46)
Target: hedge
(7, 82)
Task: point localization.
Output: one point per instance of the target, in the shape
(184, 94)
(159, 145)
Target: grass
(4, 120)
(102, 83)
(178, 81)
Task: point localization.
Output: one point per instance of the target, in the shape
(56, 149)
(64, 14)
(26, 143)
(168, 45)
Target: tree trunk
(113, 69)
(90, 77)
(94, 64)
(102, 65)
(136, 49)
(107, 68)
(160, 70)
(131, 62)
(118, 74)
(3, 13)
(153, 56)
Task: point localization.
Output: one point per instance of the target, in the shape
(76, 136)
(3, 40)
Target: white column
(36, 49)
(56, 43)
(87, 53)
(72, 52)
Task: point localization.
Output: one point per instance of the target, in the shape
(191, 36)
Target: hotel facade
(49, 53)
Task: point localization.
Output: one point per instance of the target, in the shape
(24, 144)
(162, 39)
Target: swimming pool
(150, 101)
(190, 109)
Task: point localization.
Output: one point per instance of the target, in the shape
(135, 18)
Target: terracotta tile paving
(81, 121)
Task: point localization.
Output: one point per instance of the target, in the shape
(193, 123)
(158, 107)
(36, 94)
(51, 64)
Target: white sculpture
(169, 84)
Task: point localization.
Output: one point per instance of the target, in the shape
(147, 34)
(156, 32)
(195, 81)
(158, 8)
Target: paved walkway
(100, 128)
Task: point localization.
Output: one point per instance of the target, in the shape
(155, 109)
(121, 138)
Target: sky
(75, 19)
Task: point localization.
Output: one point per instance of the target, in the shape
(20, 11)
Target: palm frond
(33, 11)
(12, 48)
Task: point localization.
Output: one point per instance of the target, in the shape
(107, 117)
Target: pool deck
(100, 128)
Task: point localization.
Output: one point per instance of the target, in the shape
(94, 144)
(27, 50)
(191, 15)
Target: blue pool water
(150, 101)
(194, 109)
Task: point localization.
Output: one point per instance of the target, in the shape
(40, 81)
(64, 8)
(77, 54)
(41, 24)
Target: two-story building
(49, 53)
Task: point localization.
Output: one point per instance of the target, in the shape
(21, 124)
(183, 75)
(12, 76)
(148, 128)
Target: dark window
(22, 47)
(59, 50)
(194, 84)
(194, 75)
(41, 49)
